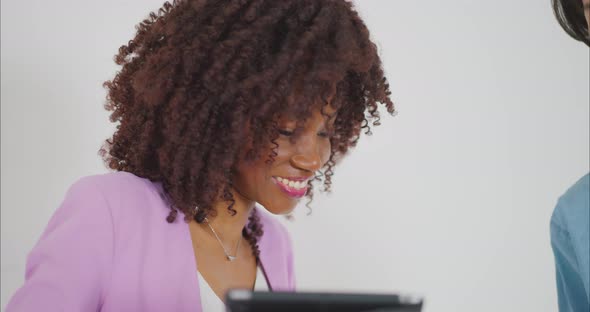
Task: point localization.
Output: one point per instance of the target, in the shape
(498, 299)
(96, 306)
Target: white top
(209, 300)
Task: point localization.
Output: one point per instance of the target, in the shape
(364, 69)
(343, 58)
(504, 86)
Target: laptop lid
(246, 301)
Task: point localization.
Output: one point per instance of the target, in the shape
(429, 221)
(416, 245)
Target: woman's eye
(325, 134)
(285, 132)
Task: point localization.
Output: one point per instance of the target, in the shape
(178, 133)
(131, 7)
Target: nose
(308, 156)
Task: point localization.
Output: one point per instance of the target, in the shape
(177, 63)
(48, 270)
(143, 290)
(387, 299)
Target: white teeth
(292, 184)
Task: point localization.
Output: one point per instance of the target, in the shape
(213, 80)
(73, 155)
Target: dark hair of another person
(570, 15)
(202, 79)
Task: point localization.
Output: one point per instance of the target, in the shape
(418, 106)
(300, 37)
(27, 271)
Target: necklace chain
(227, 255)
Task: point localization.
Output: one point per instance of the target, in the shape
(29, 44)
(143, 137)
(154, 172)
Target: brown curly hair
(200, 72)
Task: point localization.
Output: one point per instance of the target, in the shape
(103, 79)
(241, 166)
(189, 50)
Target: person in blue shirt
(570, 222)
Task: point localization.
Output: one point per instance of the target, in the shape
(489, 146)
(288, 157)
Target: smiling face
(279, 185)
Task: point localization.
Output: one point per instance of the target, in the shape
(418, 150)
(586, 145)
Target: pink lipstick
(294, 187)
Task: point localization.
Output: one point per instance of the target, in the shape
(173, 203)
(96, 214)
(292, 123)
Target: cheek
(284, 150)
(249, 176)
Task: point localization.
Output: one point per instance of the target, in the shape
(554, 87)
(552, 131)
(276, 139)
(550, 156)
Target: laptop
(247, 300)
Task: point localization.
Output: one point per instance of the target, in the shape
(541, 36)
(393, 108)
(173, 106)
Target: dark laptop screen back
(247, 301)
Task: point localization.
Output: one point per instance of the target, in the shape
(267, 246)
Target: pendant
(231, 258)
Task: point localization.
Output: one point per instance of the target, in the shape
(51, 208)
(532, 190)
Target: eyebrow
(330, 116)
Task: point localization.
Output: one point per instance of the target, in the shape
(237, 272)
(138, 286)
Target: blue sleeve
(571, 293)
(570, 240)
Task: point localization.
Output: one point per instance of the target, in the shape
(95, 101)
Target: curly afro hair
(200, 72)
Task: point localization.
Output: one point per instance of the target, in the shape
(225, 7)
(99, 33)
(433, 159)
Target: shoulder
(124, 194)
(115, 183)
(573, 206)
(579, 191)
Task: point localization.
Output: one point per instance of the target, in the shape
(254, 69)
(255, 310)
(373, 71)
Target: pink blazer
(109, 248)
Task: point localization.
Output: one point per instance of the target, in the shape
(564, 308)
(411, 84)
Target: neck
(229, 227)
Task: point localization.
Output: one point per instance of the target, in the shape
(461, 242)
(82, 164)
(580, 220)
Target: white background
(451, 199)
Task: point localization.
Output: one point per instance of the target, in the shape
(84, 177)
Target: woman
(220, 104)
(570, 222)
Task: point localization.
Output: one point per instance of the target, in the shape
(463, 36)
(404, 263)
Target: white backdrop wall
(451, 199)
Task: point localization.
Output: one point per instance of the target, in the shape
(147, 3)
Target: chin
(280, 209)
